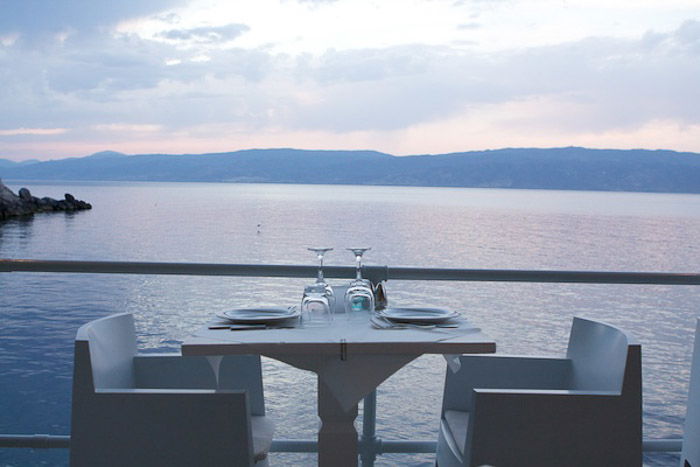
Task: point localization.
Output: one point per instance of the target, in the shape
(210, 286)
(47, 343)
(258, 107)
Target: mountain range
(569, 168)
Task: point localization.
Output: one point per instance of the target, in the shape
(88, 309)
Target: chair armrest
(116, 393)
(164, 427)
(502, 372)
(551, 392)
(555, 427)
(173, 371)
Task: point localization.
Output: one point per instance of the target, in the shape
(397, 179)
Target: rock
(25, 204)
(6, 195)
(25, 194)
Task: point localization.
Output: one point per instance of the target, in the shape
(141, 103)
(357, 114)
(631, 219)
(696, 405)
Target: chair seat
(458, 423)
(262, 429)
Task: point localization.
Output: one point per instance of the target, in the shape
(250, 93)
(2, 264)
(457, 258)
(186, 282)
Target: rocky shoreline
(24, 204)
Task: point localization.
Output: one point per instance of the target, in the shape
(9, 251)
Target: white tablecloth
(335, 353)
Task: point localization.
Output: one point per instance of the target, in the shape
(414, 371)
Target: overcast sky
(403, 76)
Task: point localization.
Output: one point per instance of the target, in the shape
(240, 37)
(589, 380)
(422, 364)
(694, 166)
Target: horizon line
(109, 151)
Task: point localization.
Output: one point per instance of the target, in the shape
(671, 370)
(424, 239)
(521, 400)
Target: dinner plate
(260, 315)
(418, 315)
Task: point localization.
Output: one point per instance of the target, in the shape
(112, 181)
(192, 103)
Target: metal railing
(370, 445)
(374, 273)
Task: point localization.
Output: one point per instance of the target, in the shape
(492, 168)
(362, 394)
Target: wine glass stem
(358, 261)
(320, 269)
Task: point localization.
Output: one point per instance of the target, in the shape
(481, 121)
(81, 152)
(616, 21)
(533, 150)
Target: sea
(404, 226)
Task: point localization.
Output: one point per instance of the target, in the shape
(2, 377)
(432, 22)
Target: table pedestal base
(343, 380)
(337, 438)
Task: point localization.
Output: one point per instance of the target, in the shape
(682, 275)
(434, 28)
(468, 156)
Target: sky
(397, 76)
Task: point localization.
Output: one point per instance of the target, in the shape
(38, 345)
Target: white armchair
(583, 410)
(690, 454)
(162, 409)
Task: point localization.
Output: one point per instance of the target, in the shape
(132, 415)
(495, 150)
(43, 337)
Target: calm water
(438, 227)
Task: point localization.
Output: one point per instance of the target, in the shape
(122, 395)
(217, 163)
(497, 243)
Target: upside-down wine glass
(359, 296)
(320, 252)
(318, 299)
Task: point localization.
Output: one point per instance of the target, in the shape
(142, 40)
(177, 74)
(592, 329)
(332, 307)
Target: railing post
(368, 442)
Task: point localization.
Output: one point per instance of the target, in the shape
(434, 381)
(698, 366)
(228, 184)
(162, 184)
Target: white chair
(690, 454)
(162, 409)
(582, 410)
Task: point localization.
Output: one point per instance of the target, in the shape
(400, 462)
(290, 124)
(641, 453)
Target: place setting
(414, 317)
(266, 317)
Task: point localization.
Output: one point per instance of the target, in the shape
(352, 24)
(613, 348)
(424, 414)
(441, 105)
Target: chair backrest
(601, 355)
(104, 353)
(690, 454)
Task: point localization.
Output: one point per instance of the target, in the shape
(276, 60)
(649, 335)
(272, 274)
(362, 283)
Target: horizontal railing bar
(35, 441)
(294, 445)
(376, 273)
(513, 275)
(662, 445)
(41, 441)
(192, 269)
(406, 446)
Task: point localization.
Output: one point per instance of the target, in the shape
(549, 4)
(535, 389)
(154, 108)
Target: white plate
(260, 315)
(418, 315)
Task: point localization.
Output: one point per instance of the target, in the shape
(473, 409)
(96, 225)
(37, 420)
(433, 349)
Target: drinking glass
(318, 299)
(315, 307)
(320, 281)
(359, 295)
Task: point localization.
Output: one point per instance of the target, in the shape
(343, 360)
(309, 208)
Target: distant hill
(106, 155)
(9, 163)
(570, 168)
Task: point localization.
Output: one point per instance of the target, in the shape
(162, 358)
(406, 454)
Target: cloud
(467, 2)
(599, 83)
(9, 39)
(128, 127)
(206, 35)
(470, 25)
(688, 37)
(33, 131)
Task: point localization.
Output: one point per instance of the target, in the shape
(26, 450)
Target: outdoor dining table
(350, 358)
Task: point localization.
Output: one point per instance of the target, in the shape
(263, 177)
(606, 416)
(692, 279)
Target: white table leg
(337, 438)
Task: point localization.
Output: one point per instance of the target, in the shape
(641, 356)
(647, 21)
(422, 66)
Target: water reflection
(19, 227)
